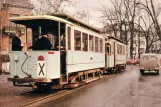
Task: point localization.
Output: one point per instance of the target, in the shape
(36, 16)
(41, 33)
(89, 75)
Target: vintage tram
(81, 60)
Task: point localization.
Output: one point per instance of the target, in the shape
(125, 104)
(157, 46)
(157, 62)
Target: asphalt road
(127, 89)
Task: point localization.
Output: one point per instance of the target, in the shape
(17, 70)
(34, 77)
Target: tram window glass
(118, 49)
(123, 50)
(112, 48)
(108, 49)
(96, 44)
(101, 45)
(85, 42)
(77, 38)
(69, 38)
(91, 43)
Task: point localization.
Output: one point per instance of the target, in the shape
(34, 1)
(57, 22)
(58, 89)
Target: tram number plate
(41, 69)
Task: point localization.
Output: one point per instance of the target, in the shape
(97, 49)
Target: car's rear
(149, 62)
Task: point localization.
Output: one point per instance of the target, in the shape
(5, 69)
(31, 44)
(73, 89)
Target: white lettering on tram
(31, 66)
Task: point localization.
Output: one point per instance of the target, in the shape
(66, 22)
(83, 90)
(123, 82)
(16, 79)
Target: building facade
(12, 8)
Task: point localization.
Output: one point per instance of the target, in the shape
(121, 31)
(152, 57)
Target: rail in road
(26, 97)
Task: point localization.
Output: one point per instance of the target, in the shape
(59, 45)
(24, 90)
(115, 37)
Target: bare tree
(83, 15)
(150, 14)
(154, 11)
(122, 14)
(51, 6)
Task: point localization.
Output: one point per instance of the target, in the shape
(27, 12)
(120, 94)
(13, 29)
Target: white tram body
(116, 54)
(83, 58)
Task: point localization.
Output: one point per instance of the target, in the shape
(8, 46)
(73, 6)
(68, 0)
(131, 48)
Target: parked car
(131, 61)
(149, 62)
(138, 61)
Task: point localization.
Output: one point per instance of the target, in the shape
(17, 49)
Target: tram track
(60, 94)
(29, 98)
(44, 99)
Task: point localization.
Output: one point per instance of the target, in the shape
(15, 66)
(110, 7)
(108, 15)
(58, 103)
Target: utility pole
(139, 40)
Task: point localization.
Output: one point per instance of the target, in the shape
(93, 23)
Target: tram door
(63, 47)
(107, 50)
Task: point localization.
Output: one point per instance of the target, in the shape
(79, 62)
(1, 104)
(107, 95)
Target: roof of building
(17, 3)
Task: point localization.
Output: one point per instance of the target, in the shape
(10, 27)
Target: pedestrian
(16, 42)
(43, 44)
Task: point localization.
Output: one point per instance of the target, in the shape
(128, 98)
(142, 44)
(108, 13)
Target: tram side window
(96, 44)
(69, 38)
(101, 45)
(77, 38)
(85, 42)
(91, 43)
(123, 50)
(108, 48)
(118, 49)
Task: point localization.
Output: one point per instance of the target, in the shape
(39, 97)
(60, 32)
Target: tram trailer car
(82, 61)
(115, 55)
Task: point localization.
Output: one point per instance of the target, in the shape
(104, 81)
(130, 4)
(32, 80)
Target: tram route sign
(41, 69)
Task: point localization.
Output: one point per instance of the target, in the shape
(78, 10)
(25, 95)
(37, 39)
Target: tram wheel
(142, 72)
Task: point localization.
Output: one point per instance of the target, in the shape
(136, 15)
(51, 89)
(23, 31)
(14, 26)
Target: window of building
(91, 43)
(96, 44)
(10, 44)
(85, 42)
(69, 38)
(77, 38)
(11, 23)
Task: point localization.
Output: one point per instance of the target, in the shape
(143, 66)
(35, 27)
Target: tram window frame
(113, 49)
(69, 37)
(118, 49)
(84, 41)
(96, 44)
(78, 34)
(123, 50)
(108, 49)
(101, 45)
(91, 46)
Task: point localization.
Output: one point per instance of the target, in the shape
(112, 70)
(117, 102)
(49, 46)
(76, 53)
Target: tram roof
(112, 37)
(56, 17)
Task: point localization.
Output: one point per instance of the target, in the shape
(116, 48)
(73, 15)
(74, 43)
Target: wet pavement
(11, 96)
(127, 89)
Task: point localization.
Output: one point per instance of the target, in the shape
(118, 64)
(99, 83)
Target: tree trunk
(131, 45)
(147, 45)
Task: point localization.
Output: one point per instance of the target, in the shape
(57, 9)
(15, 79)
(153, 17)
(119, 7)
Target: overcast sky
(92, 6)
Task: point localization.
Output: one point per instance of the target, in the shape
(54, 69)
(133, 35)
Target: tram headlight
(40, 58)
